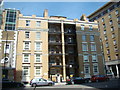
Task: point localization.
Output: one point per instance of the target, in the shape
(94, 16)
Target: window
(7, 48)
(82, 27)
(26, 58)
(104, 31)
(112, 29)
(25, 71)
(114, 42)
(116, 12)
(118, 25)
(103, 20)
(83, 37)
(86, 58)
(92, 38)
(109, 16)
(37, 70)
(107, 44)
(106, 38)
(111, 22)
(27, 45)
(109, 58)
(38, 46)
(94, 58)
(116, 49)
(84, 47)
(95, 68)
(37, 35)
(104, 26)
(90, 27)
(69, 40)
(38, 23)
(108, 51)
(27, 34)
(38, 57)
(86, 69)
(118, 18)
(117, 56)
(27, 22)
(93, 47)
(113, 35)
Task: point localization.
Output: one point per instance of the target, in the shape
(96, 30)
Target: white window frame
(28, 58)
(114, 42)
(96, 58)
(116, 12)
(104, 31)
(24, 69)
(87, 60)
(94, 47)
(96, 69)
(83, 47)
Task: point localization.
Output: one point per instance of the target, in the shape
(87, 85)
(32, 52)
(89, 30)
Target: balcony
(55, 53)
(56, 42)
(58, 64)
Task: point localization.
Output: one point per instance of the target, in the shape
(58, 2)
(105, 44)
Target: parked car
(6, 83)
(97, 78)
(40, 81)
(77, 80)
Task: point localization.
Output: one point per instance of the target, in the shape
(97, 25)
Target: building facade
(108, 18)
(8, 36)
(54, 47)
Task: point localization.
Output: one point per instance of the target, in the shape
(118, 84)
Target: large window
(26, 58)
(92, 38)
(84, 47)
(37, 35)
(38, 58)
(37, 70)
(94, 58)
(27, 22)
(83, 37)
(86, 58)
(93, 47)
(25, 71)
(38, 46)
(27, 34)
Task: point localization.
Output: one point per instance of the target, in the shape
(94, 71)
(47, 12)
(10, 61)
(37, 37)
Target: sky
(71, 10)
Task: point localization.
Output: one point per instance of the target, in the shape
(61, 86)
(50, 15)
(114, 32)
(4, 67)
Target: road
(111, 84)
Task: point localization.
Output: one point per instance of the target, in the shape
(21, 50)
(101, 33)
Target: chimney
(45, 15)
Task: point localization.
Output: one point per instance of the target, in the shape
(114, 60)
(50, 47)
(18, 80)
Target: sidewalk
(60, 83)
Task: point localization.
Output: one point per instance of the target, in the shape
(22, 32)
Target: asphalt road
(111, 84)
